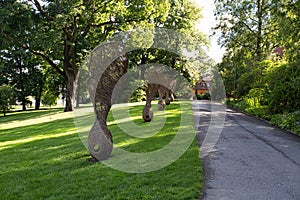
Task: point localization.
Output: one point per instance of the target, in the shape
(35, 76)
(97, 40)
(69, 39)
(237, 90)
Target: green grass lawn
(42, 157)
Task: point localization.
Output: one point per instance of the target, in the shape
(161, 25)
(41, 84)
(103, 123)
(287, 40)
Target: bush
(6, 97)
(276, 119)
(138, 95)
(241, 104)
(283, 83)
(261, 112)
(49, 99)
(205, 96)
(289, 121)
(139, 88)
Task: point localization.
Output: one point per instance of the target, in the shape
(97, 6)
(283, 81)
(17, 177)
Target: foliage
(266, 84)
(22, 71)
(182, 18)
(204, 96)
(287, 16)
(43, 151)
(289, 121)
(139, 93)
(53, 86)
(49, 98)
(6, 98)
(217, 91)
(283, 88)
(260, 112)
(246, 29)
(286, 121)
(63, 32)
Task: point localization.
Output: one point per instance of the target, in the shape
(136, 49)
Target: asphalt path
(250, 160)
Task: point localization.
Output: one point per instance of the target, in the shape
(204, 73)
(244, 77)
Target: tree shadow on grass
(28, 114)
(56, 167)
(41, 130)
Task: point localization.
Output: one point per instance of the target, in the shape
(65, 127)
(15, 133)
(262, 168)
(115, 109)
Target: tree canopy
(62, 33)
(262, 58)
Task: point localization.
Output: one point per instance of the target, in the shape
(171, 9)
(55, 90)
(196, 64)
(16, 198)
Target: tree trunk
(143, 62)
(259, 29)
(70, 94)
(38, 97)
(78, 91)
(37, 103)
(23, 98)
(23, 103)
(71, 71)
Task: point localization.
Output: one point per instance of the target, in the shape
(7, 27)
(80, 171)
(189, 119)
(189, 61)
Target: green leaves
(287, 16)
(6, 98)
(245, 26)
(283, 84)
(63, 32)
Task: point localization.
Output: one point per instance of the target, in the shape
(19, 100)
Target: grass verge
(42, 157)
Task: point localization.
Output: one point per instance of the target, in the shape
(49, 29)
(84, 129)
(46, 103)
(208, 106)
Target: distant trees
(62, 33)
(22, 72)
(182, 17)
(251, 31)
(286, 17)
(25, 74)
(6, 98)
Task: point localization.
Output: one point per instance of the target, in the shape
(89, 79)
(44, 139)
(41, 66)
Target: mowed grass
(42, 157)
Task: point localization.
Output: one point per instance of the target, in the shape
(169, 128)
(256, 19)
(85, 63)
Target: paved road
(251, 160)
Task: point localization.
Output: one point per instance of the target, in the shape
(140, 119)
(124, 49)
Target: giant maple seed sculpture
(106, 68)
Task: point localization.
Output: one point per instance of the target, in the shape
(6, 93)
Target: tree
(6, 98)
(182, 17)
(245, 28)
(37, 82)
(248, 32)
(283, 83)
(253, 32)
(62, 32)
(22, 71)
(54, 85)
(286, 15)
(49, 98)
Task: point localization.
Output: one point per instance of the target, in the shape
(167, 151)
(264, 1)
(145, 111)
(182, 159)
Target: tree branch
(65, 30)
(242, 21)
(47, 59)
(41, 10)
(26, 47)
(118, 22)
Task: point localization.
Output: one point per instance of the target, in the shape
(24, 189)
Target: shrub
(49, 99)
(283, 84)
(261, 112)
(139, 90)
(6, 97)
(204, 96)
(138, 95)
(289, 121)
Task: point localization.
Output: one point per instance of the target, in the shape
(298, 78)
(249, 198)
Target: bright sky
(205, 25)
